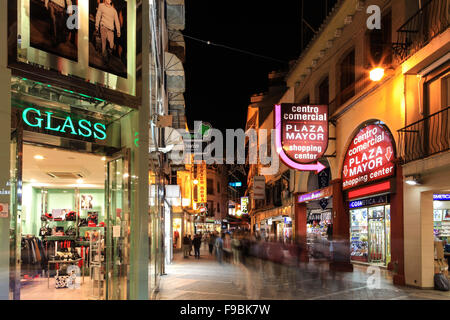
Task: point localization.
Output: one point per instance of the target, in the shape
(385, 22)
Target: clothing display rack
(34, 257)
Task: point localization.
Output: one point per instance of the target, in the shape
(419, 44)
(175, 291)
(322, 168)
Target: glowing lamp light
(377, 74)
(195, 181)
(39, 157)
(79, 181)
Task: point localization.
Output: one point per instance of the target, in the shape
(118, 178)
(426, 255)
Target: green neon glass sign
(35, 118)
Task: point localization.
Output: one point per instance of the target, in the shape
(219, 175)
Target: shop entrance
(370, 232)
(72, 215)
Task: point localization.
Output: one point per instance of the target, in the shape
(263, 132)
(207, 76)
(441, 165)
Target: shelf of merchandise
(57, 238)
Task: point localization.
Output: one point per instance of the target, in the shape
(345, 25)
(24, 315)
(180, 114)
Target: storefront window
(370, 233)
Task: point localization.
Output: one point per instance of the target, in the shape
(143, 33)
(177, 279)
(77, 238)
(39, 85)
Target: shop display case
(359, 246)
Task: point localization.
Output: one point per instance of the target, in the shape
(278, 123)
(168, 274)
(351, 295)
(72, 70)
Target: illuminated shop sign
(368, 202)
(235, 184)
(45, 120)
(369, 157)
(244, 205)
(302, 135)
(373, 189)
(441, 197)
(316, 195)
(201, 185)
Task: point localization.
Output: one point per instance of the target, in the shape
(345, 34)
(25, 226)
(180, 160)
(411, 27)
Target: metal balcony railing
(431, 20)
(425, 137)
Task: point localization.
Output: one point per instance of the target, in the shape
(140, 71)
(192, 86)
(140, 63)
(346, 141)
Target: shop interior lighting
(377, 74)
(39, 157)
(79, 181)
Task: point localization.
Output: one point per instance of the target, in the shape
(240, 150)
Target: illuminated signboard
(201, 185)
(441, 197)
(259, 187)
(368, 202)
(235, 184)
(93, 41)
(244, 205)
(369, 157)
(46, 120)
(302, 135)
(316, 195)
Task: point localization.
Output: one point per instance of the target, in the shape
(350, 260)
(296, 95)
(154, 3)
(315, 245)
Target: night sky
(219, 82)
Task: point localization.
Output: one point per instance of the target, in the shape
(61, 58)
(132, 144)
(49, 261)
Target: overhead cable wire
(235, 49)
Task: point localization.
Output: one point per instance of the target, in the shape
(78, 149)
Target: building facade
(387, 136)
(76, 146)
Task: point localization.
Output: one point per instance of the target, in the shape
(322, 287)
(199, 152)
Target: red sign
(369, 157)
(304, 132)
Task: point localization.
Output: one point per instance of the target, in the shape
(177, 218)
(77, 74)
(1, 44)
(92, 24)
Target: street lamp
(377, 74)
(195, 182)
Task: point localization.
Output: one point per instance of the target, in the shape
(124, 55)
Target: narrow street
(205, 279)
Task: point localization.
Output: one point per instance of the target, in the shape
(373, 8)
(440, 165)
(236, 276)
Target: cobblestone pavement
(206, 279)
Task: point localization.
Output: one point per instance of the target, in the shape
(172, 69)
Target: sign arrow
(318, 167)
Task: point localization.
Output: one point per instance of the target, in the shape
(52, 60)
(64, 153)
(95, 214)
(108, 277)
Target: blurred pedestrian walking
(219, 248)
(186, 246)
(211, 242)
(190, 245)
(197, 242)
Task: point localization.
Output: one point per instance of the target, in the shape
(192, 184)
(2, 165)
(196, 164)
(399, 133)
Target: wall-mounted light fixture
(413, 180)
(376, 74)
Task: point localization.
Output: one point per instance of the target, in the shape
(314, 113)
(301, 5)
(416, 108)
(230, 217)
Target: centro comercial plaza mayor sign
(369, 156)
(302, 135)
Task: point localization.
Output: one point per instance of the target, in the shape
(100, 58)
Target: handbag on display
(93, 217)
(61, 282)
(71, 231)
(45, 231)
(83, 222)
(71, 216)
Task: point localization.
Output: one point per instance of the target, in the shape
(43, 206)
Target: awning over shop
(173, 146)
(274, 212)
(175, 14)
(177, 109)
(174, 73)
(177, 45)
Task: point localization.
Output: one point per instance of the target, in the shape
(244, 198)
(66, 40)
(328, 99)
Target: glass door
(117, 226)
(358, 235)
(15, 233)
(377, 241)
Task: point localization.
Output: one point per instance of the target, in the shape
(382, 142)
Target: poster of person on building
(49, 27)
(108, 36)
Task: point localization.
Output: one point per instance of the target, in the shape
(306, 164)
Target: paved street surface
(206, 279)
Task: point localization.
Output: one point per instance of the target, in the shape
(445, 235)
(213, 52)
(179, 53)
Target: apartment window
(324, 91)
(437, 92)
(347, 79)
(210, 207)
(210, 186)
(380, 42)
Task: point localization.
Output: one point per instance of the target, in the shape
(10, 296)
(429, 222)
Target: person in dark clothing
(190, 245)
(211, 242)
(186, 245)
(197, 242)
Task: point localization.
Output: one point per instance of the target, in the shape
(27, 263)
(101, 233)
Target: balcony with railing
(427, 23)
(426, 137)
